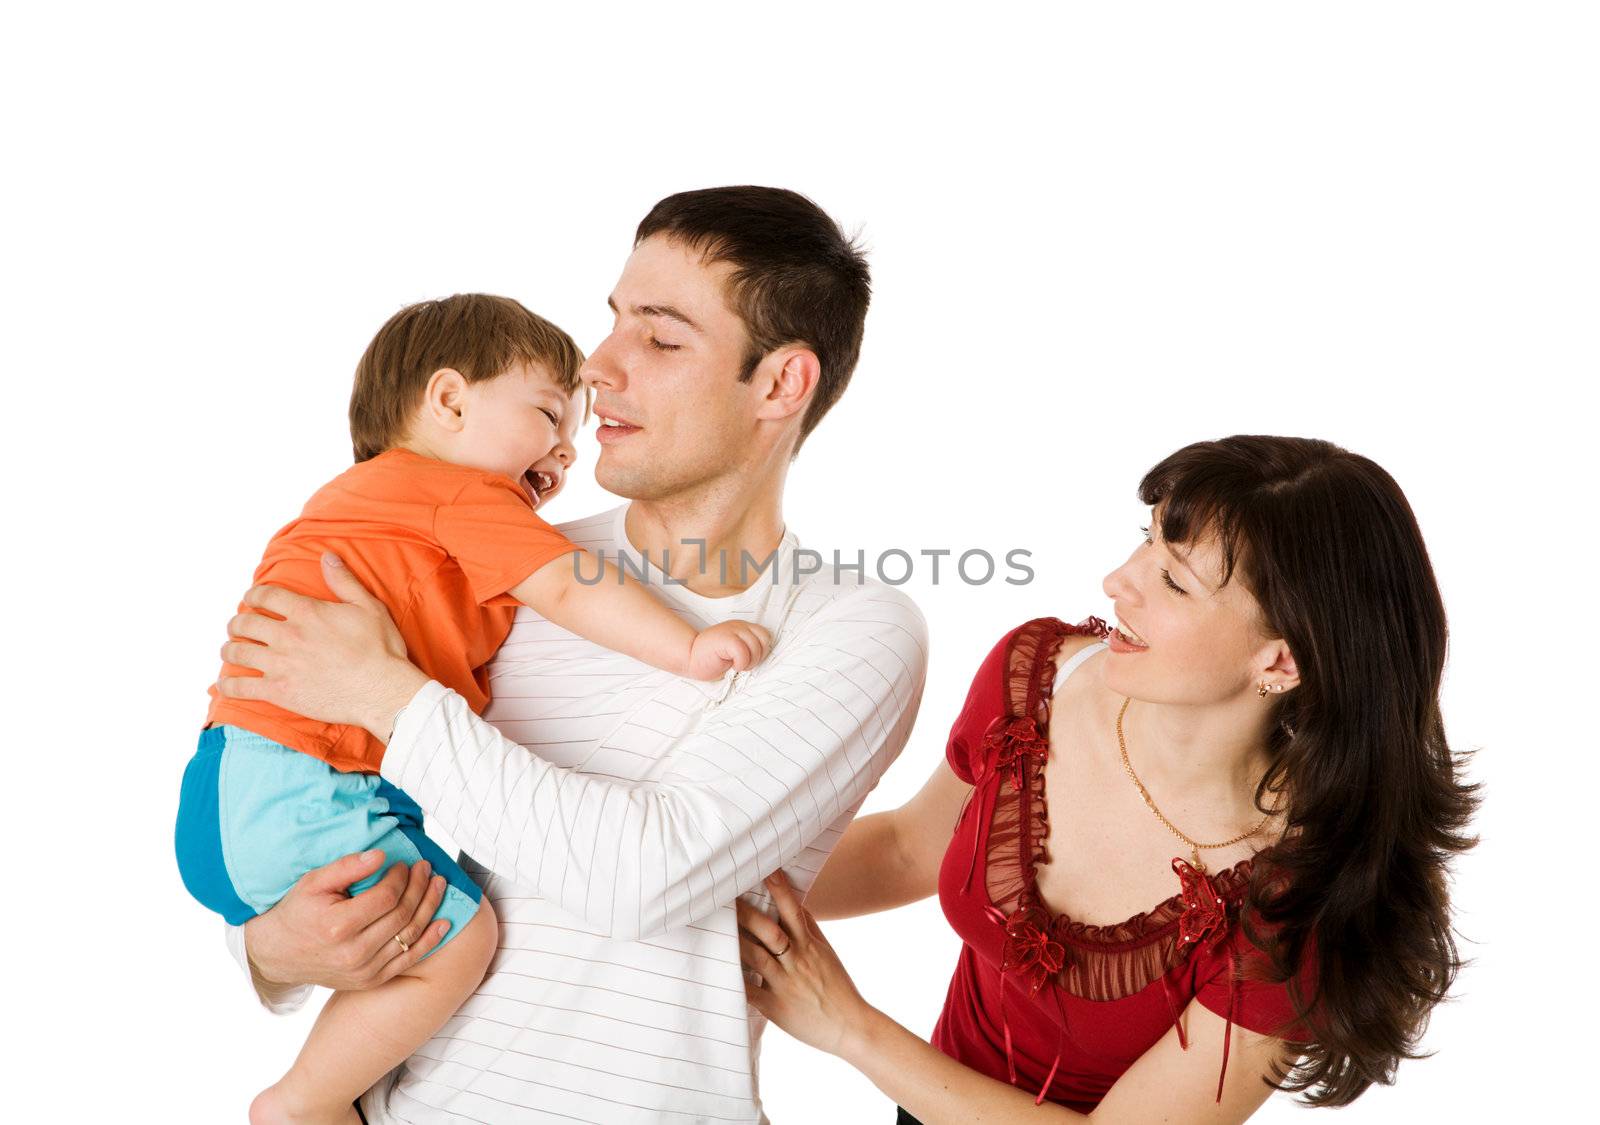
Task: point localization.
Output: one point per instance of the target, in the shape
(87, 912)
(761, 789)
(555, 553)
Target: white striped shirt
(614, 851)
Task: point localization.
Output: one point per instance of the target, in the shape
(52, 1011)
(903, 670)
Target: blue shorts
(255, 815)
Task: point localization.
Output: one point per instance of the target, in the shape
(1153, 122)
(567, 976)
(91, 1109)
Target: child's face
(523, 425)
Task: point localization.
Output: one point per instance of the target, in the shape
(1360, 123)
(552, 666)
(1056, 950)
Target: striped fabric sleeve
(743, 792)
(279, 999)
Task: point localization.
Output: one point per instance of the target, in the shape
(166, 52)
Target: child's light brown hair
(477, 334)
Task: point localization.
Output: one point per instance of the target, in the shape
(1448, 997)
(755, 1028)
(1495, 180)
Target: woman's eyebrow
(1172, 549)
(1183, 561)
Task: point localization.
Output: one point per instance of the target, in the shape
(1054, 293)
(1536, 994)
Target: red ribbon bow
(1204, 915)
(1011, 740)
(1029, 949)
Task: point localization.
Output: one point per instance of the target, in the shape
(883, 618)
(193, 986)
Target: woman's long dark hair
(1326, 542)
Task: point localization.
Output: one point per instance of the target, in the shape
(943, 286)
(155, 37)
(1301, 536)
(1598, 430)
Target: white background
(1094, 237)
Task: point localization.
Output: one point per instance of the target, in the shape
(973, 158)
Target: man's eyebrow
(666, 312)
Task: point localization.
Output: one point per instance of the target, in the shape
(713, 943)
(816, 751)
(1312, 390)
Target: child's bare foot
(273, 1107)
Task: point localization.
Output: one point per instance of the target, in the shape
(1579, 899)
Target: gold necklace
(1194, 848)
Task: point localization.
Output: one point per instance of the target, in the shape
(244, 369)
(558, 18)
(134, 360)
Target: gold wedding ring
(402, 942)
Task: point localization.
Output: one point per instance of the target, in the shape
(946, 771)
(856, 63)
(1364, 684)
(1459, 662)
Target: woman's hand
(338, 662)
(806, 990)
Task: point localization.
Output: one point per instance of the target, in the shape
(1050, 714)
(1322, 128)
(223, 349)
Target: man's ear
(793, 373)
(444, 398)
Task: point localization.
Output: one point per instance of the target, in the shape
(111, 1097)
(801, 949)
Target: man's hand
(319, 934)
(338, 662)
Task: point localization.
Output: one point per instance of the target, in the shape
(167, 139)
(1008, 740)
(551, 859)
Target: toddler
(463, 418)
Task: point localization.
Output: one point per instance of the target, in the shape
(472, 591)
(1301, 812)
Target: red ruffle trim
(1039, 948)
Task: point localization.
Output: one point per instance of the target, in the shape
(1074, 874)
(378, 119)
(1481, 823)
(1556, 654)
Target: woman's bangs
(1195, 501)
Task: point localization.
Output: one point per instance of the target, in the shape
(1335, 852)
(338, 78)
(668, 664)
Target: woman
(1192, 858)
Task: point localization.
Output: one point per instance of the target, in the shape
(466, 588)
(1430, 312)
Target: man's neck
(690, 539)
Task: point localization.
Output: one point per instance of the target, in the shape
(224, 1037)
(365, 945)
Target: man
(614, 813)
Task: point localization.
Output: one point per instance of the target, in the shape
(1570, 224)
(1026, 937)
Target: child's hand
(730, 644)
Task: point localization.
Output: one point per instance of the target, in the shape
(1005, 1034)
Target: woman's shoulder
(1015, 658)
(998, 690)
(1242, 975)
(1039, 637)
(1072, 645)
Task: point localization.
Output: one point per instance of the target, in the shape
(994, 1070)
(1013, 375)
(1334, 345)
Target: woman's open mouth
(1122, 640)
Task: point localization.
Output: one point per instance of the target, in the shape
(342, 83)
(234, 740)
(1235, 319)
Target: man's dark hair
(796, 278)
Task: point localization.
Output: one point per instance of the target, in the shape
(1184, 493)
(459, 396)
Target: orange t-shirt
(440, 545)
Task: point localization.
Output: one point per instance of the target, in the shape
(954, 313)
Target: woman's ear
(444, 398)
(1281, 668)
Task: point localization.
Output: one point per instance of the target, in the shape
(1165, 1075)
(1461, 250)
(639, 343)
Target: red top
(1042, 1001)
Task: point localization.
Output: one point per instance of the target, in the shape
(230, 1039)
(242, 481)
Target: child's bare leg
(360, 1036)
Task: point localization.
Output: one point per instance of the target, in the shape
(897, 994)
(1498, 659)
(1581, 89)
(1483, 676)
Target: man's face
(669, 371)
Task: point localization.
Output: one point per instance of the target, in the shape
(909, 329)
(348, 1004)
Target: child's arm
(495, 539)
(751, 785)
(624, 616)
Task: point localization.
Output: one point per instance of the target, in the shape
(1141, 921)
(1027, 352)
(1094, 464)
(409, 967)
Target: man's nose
(601, 368)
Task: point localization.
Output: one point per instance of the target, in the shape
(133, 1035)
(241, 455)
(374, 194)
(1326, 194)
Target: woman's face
(1183, 637)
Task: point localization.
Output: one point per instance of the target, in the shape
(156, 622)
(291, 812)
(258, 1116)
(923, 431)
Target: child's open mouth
(538, 484)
